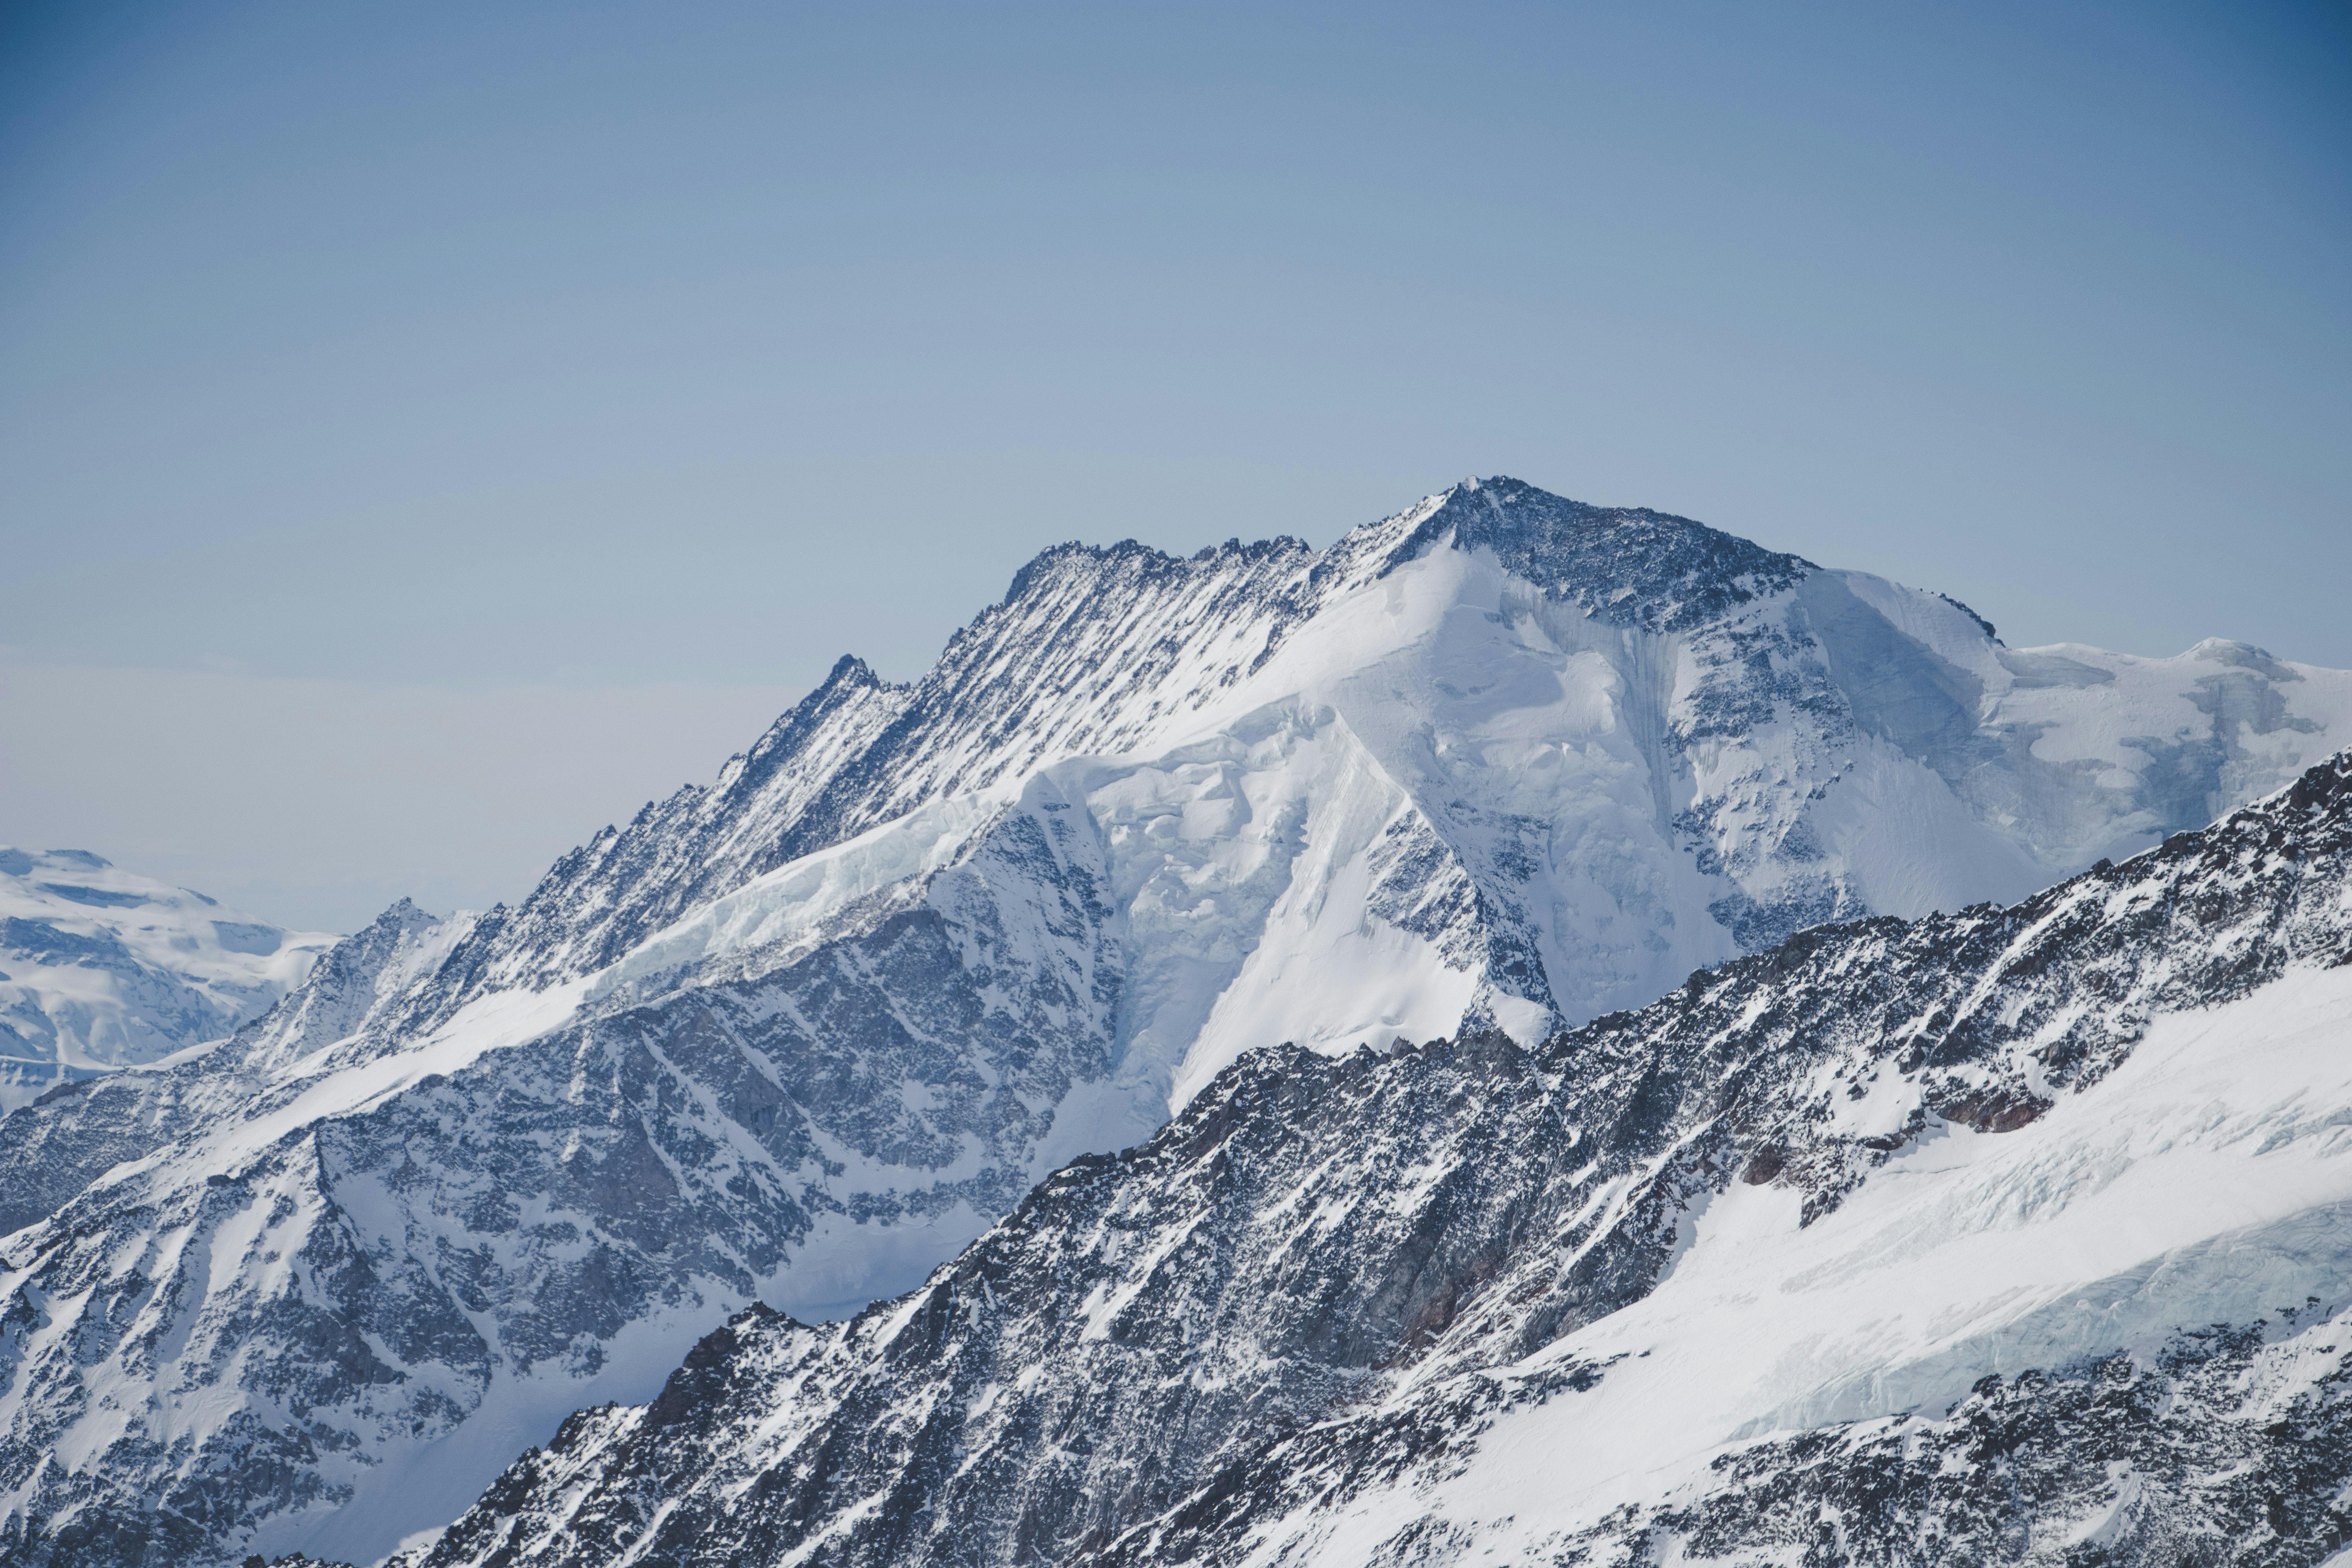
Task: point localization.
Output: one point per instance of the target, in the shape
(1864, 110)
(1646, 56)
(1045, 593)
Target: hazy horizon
(426, 436)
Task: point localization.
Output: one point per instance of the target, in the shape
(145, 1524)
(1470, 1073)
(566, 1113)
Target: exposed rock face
(100, 969)
(2013, 1234)
(1497, 765)
(81, 1129)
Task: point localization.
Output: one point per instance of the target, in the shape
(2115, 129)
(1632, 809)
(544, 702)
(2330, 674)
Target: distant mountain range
(1155, 837)
(100, 969)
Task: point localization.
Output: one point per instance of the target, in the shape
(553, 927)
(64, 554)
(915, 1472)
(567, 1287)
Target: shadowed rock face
(1629, 565)
(1330, 1280)
(420, 1263)
(1496, 765)
(79, 1131)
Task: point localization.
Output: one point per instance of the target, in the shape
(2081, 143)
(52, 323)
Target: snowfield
(100, 969)
(1498, 765)
(2207, 1182)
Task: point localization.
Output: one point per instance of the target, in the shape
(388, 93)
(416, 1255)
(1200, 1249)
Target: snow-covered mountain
(100, 969)
(1501, 763)
(2017, 1235)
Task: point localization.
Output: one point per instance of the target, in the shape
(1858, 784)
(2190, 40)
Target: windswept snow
(102, 969)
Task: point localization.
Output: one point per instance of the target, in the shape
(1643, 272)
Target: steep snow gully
(1208, 838)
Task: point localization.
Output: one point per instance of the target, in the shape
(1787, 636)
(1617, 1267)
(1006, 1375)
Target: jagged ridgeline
(1498, 765)
(2017, 1235)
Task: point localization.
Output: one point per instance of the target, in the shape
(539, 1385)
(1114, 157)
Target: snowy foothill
(102, 969)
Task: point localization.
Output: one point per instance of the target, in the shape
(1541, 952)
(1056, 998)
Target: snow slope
(1501, 754)
(2205, 1186)
(2016, 1235)
(1502, 760)
(102, 969)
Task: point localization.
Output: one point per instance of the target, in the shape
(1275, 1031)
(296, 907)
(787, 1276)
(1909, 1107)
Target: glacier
(1500, 762)
(102, 969)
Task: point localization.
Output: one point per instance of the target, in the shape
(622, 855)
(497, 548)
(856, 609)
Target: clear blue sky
(592, 348)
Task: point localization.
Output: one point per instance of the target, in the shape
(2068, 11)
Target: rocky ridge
(1331, 1311)
(1501, 762)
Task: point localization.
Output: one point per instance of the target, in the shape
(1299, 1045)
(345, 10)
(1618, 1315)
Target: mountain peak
(849, 672)
(797, 1034)
(1630, 565)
